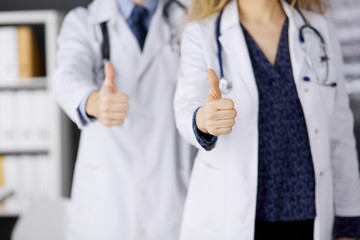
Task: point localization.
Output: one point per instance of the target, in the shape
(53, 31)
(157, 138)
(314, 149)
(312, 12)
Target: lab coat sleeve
(192, 87)
(74, 76)
(347, 227)
(346, 179)
(207, 141)
(85, 119)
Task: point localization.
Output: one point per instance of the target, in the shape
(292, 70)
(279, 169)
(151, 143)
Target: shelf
(51, 156)
(24, 152)
(29, 17)
(5, 193)
(4, 212)
(25, 84)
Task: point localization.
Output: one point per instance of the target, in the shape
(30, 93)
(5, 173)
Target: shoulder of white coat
(322, 23)
(200, 29)
(78, 16)
(326, 28)
(76, 23)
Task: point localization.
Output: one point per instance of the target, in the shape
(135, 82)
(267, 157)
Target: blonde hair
(201, 9)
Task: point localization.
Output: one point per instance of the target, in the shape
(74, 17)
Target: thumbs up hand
(217, 116)
(107, 105)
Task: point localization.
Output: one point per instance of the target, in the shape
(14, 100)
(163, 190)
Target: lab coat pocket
(324, 80)
(206, 199)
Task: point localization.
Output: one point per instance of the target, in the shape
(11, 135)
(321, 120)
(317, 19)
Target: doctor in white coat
(222, 197)
(132, 169)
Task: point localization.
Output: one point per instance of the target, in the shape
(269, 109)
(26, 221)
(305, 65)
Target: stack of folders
(29, 179)
(20, 55)
(24, 120)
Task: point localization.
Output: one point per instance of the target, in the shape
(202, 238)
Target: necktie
(137, 24)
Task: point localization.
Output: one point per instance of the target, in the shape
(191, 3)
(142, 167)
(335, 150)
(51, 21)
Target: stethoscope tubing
(218, 23)
(227, 85)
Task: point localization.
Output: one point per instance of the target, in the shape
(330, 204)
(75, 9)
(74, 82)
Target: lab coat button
(316, 131)
(321, 173)
(306, 90)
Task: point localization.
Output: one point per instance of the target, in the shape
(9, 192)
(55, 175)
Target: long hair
(201, 9)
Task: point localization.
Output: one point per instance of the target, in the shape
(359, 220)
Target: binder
(8, 135)
(41, 118)
(11, 167)
(2, 121)
(30, 64)
(9, 56)
(2, 170)
(5, 192)
(28, 179)
(25, 120)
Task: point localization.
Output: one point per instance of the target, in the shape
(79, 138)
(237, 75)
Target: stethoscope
(226, 85)
(174, 36)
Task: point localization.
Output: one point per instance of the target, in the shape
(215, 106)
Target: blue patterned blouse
(286, 187)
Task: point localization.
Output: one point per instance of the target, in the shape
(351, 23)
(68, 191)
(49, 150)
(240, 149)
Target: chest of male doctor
(115, 79)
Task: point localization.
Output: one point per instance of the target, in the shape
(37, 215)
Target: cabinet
(34, 132)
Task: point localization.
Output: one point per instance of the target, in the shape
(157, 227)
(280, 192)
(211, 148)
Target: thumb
(215, 92)
(109, 82)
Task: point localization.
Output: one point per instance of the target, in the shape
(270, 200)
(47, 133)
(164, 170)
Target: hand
(108, 105)
(217, 116)
(346, 239)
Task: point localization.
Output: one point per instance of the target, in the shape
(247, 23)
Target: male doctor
(132, 169)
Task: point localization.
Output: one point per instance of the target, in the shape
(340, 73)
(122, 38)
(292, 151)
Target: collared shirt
(125, 9)
(127, 6)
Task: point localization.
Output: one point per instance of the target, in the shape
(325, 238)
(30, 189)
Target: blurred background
(38, 143)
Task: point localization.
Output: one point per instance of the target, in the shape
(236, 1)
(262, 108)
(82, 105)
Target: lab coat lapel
(125, 35)
(235, 49)
(297, 55)
(158, 36)
(119, 31)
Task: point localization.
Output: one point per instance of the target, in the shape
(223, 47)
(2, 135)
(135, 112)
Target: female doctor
(133, 167)
(277, 156)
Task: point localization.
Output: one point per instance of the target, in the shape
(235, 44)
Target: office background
(7, 222)
(345, 24)
(63, 5)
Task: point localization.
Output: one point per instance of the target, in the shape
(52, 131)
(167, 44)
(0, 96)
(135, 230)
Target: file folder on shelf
(28, 51)
(9, 67)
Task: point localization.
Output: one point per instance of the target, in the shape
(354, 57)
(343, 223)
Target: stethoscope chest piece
(225, 85)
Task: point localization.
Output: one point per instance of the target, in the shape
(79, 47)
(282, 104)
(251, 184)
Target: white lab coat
(221, 201)
(130, 181)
